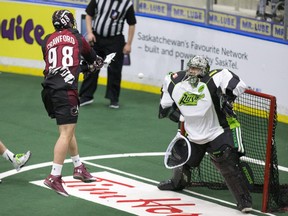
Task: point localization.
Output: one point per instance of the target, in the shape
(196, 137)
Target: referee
(105, 20)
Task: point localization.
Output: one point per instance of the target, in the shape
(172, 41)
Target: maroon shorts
(61, 104)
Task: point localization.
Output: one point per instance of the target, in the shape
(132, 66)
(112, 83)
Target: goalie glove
(173, 113)
(227, 107)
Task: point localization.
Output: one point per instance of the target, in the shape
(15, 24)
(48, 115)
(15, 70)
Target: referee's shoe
(86, 102)
(114, 105)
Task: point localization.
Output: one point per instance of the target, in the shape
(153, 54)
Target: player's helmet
(201, 63)
(63, 19)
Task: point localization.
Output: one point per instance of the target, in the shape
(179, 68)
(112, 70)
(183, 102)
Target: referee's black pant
(103, 47)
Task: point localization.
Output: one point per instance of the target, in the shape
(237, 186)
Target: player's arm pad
(173, 113)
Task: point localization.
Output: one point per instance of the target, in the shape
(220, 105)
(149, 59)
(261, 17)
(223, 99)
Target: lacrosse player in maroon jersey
(62, 53)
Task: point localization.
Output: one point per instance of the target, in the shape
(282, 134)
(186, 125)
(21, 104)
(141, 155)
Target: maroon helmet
(63, 19)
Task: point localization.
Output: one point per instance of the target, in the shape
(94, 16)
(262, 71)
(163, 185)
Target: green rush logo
(190, 99)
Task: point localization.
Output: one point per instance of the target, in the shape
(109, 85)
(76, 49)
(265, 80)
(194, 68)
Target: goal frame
(270, 142)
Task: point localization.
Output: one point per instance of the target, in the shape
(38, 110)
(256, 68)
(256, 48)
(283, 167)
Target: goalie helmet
(199, 62)
(198, 67)
(63, 19)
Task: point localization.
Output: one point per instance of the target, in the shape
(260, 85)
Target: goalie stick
(178, 151)
(181, 120)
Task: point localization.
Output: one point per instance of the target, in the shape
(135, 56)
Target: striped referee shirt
(109, 16)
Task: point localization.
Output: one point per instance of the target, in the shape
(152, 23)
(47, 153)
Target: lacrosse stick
(179, 150)
(109, 59)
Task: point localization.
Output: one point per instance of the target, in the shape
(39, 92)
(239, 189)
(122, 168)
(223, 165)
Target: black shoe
(114, 105)
(169, 185)
(245, 205)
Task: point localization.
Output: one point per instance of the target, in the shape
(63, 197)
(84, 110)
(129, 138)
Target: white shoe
(114, 105)
(20, 160)
(246, 210)
(84, 103)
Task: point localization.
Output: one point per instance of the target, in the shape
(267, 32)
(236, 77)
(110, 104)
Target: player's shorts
(61, 104)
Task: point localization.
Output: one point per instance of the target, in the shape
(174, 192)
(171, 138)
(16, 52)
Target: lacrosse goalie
(205, 100)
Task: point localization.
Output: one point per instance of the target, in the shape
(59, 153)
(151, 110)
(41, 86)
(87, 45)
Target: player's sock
(76, 161)
(56, 169)
(8, 155)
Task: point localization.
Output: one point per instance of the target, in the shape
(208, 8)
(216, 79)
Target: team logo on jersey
(114, 14)
(190, 99)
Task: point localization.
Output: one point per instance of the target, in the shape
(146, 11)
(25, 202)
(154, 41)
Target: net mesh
(258, 129)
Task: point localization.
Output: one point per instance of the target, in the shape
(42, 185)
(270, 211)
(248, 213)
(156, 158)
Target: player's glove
(173, 113)
(227, 106)
(98, 63)
(84, 66)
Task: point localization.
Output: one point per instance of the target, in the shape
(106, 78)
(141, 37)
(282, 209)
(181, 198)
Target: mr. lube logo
(191, 99)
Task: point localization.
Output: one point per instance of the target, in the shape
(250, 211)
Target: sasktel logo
(17, 28)
(139, 198)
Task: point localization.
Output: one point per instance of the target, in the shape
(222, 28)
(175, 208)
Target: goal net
(257, 115)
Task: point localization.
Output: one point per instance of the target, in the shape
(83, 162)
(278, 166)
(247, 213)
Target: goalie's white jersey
(200, 106)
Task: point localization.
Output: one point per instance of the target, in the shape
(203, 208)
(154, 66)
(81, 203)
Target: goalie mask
(63, 19)
(198, 67)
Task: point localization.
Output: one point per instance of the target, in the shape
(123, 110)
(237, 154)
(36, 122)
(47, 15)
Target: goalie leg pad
(247, 174)
(227, 162)
(180, 179)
